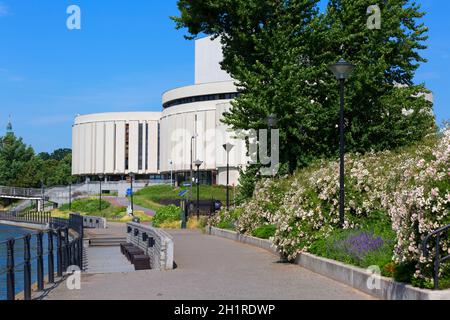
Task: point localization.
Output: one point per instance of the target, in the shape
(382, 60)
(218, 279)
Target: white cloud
(4, 10)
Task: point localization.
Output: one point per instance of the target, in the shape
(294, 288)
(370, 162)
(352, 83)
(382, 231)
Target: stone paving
(211, 268)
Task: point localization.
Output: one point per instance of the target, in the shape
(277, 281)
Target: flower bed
(407, 190)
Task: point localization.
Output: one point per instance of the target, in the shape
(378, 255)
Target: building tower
(9, 127)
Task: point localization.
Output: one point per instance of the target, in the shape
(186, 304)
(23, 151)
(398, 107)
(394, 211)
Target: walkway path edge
(233, 235)
(357, 278)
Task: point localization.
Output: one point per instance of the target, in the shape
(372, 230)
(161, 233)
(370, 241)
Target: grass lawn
(151, 196)
(90, 207)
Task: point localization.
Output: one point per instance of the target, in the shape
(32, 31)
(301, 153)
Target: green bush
(265, 232)
(226, 224)
(166, 214)
(371, 245)
(226, 219)
(87, 206)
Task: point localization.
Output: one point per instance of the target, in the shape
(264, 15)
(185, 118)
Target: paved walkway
(107, 260)
(123, 202)
(211, 268)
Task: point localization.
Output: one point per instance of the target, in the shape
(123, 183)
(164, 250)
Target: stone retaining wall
(162, 252)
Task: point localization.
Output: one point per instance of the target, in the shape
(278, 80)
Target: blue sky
(126, 55)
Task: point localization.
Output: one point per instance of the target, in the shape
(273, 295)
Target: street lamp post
(198, 163)
(342, 70)
(171, 172)
(70, 194)
(131, 196)
(228, 147)
(43, 195)
(272, 122)
(192, 159)
(100, 177)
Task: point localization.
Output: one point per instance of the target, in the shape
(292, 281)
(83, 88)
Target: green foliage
(399, 196)
(247, 182)
(166, 214)
(15, 160)
(163, 192)
(88, 206)
(265, 231)
(151, 197)
(332, 246)
(404, 272)
(20, 167)
(278, 51)
(226, 219)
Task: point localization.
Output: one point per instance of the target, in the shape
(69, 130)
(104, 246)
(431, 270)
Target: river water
(7, 232)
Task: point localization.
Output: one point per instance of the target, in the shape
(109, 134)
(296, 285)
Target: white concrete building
(153, 145)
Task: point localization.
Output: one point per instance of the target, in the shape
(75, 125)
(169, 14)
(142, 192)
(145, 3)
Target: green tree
(279, 51)
(384, 109)
(20, 167)
(15, 156)
(60, 154)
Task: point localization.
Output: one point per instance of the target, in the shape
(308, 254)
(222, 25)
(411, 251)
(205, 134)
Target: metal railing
(21, 192)
(40, 250)
(28, 217)
(437, 255)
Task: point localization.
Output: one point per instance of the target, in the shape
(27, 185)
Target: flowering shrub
(360, 244)
(411, 187)
(361, 248)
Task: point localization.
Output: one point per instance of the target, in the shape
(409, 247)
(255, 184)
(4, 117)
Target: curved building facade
(193, 130)
(115, 143)
(166, 144)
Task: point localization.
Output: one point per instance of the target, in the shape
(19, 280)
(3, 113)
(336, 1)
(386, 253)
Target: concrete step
(108, 244)
(113, 241)
(107, 260)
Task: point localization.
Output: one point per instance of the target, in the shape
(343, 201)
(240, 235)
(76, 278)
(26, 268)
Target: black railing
(29, 217)
(438, 259)
(21, 192)
(29, 258)
(58, 223)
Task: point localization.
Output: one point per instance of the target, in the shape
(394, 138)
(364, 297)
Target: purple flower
(360, 245)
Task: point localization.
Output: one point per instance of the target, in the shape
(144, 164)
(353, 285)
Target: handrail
(437, 258)
(21, 192)
(60, 245)
(31, 217)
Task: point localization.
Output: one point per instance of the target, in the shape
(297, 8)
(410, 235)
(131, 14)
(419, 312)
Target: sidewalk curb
(357, 278)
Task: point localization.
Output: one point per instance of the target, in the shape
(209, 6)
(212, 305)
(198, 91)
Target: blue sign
(129, 192)
(183, 193)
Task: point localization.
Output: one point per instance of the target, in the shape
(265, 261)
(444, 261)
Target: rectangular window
(114, 146)
(127, 146)
(140, 148)
(146, 146)
(159, 146)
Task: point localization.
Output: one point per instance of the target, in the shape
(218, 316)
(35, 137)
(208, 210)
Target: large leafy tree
(14, 156)
(278, 51)
(20, 167)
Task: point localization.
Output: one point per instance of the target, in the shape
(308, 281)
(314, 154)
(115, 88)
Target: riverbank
(16, 232)
(30, 226)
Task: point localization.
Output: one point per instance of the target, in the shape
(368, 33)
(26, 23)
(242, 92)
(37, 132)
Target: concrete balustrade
(94, 222)
(156, 243)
